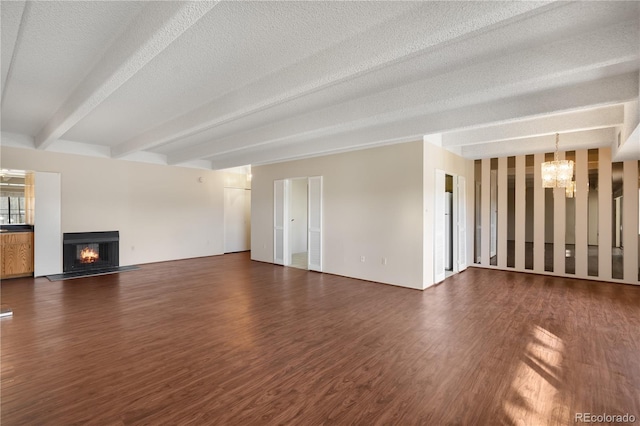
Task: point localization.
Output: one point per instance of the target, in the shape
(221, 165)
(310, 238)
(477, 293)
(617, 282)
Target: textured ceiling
(233, 83)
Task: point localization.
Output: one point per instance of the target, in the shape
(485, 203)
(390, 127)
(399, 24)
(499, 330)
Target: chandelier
(557, 173)
(570, 190)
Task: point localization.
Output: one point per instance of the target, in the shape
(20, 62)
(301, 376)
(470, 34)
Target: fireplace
(90, 251)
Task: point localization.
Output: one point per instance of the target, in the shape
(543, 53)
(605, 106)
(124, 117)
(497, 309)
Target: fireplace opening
(90, 251)
(89, 254)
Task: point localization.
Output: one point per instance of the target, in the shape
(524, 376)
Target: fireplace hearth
(90, 252)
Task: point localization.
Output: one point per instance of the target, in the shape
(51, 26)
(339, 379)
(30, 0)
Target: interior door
(314, 223)
(280, 238)
(439, 254)
(462, 224)
(236, 228)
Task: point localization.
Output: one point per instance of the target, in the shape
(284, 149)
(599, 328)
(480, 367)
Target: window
(12, 197)
(12, 209)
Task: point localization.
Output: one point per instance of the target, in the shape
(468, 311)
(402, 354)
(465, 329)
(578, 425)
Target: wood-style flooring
(224, 340)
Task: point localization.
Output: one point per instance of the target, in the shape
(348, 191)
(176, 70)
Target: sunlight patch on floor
(535, 395)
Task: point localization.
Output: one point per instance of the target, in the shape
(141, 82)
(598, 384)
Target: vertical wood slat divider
(538, 215)
(630, 221)
(485, 212)
(559, 226)
(604, 213)
(520, 211)
(503, 211)
(582, 217)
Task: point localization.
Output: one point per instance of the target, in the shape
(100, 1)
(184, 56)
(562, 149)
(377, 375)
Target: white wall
(372, 207)
(162, 213)
(434, 158)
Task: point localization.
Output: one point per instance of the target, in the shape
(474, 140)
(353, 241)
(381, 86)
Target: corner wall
(162, 212)
(372, 207)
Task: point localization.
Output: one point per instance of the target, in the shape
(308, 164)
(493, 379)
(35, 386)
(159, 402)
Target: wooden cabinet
(17, 254)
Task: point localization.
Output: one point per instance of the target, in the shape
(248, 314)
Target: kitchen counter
(16, 228)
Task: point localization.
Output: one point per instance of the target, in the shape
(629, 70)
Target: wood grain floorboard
(224, 340)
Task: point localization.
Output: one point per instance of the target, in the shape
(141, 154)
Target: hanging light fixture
(570, 191)
(557, 173)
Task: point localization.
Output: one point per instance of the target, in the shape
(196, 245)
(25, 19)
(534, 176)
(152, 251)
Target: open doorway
(297, 224)
(448, 224)
(449, 245)
(237, 209)
(237, 220)
(298, 212)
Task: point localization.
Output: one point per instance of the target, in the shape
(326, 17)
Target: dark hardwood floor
(223, 340)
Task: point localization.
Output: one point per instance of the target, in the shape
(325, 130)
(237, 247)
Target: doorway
(237, 220)
(449, 245)
(448, 224)
(297, 255)
(297, 225)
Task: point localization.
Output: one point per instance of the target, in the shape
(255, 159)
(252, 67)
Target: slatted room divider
(542, 231)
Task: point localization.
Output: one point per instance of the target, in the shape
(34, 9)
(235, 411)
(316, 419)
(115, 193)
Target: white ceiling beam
(155, 28)
(343, 62)
(541, 144)
(477, 83)
(590, 119)
(14, 17)
(612, 90)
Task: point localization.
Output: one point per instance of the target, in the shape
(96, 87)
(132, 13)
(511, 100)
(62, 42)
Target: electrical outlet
(362, 259)
(384, 260)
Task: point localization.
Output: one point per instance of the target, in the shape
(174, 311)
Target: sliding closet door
(279, 220)
(314, 239)
(439, 252)
(462, 224)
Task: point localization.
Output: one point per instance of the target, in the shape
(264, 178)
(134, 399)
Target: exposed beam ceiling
(17, 13)
(588, 119)
(155, 28)
(240, 83)
(541, 144)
